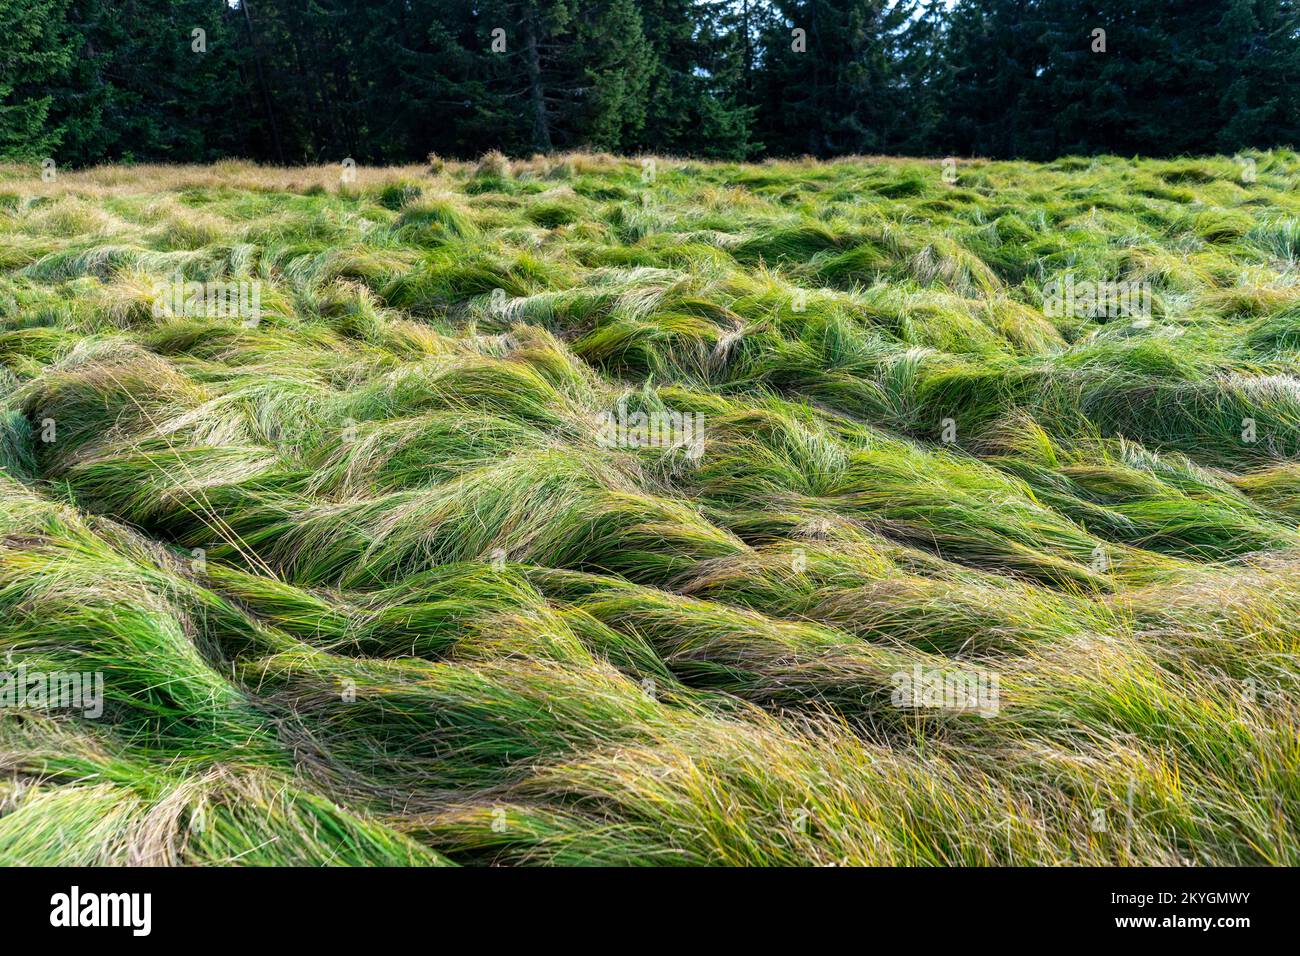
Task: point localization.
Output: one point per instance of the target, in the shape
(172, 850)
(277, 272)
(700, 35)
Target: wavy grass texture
(369, 580)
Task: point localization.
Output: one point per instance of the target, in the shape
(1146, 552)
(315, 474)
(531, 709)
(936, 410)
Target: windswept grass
(545, 512)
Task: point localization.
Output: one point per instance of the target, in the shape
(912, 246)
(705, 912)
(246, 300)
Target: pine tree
(36, 49)
(831, 80)
(423, 83)
(695, 102)
(1175, 76)
(578, 70)
(150, 81)
(922, 75)
(613, 62)
(1127, 78)
(993, 90)
(1257, 64)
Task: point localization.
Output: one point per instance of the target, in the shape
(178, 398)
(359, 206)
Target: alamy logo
(621, 429)
(53, 690)
(75, 908)
(235, 300)
(936, 689)
(1067, 299)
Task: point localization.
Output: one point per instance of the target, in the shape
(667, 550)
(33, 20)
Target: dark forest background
(391, 81)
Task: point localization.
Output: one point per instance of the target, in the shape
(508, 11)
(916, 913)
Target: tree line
(389, 81)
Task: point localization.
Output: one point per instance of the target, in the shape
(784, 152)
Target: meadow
(889, 558)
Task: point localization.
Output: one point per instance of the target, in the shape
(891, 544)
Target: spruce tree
(36, 51)
(831, 79)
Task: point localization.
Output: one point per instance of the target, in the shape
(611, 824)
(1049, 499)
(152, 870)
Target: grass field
(583, 510)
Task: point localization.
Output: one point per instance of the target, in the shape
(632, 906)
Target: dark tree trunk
(541, 124)
(261, 81)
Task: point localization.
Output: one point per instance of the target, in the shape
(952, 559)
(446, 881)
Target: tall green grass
(368, 582)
